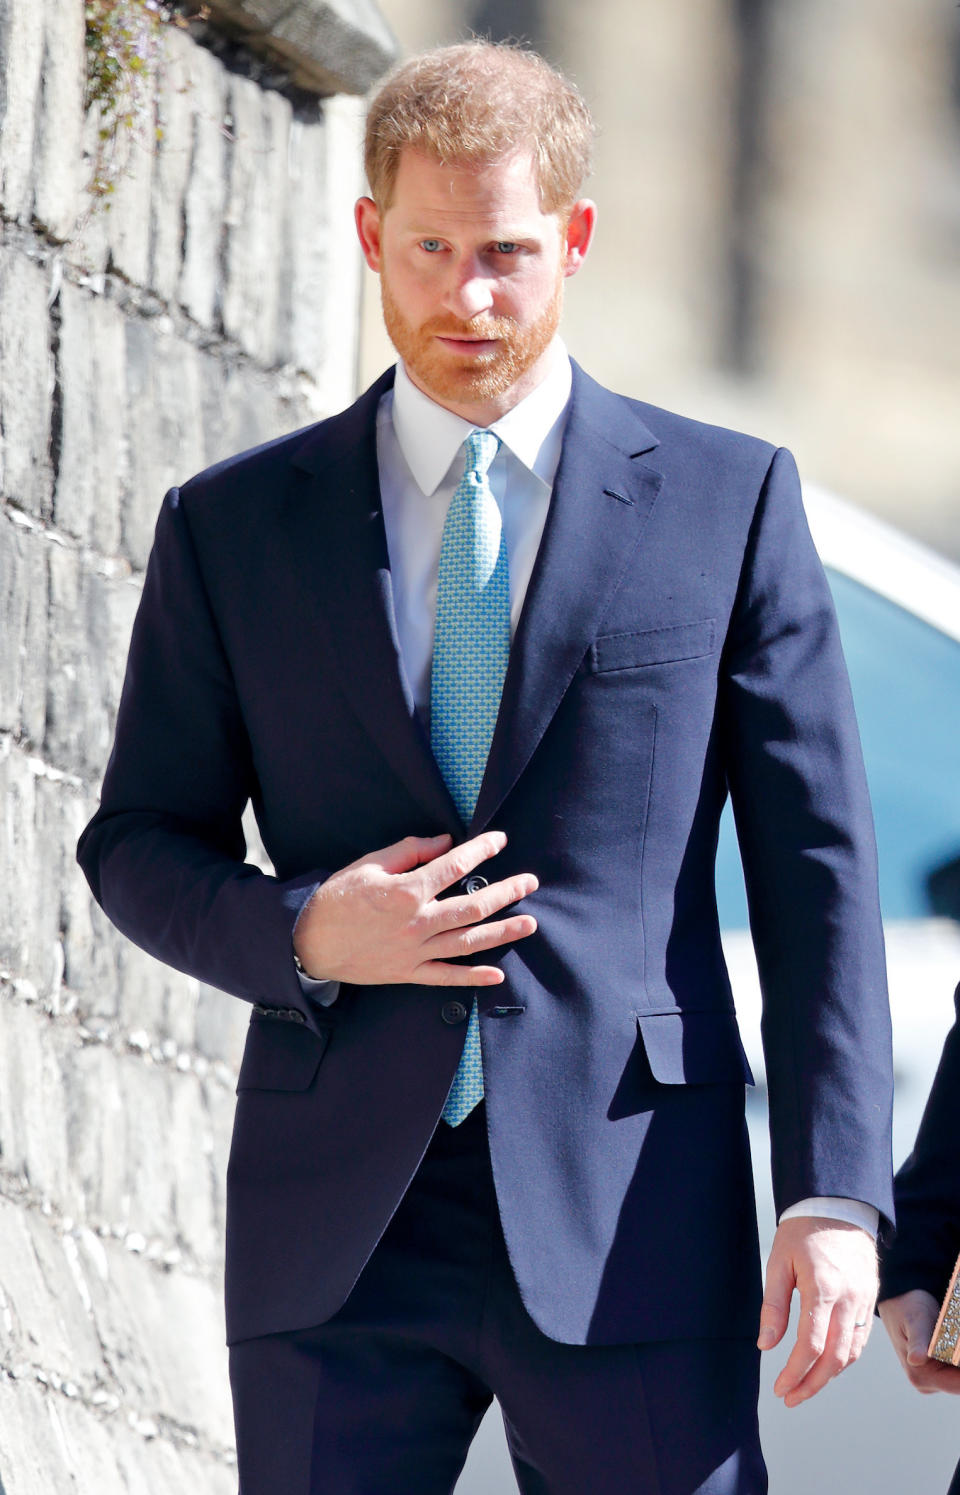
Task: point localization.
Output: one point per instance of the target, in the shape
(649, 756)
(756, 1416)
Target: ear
(579, 234)
(367, 218)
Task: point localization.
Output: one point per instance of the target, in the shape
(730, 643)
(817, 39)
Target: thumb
(918, 1338)
(775, 1311)
(411, 852)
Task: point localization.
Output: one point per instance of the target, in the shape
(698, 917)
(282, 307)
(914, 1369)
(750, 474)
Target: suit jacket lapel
(337, 517)
(601, 501)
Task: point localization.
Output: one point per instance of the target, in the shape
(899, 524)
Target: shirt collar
(430, 436)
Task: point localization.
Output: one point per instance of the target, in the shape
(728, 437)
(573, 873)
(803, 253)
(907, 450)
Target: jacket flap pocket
(694, 1048)
(280, 1056)
(630, 651)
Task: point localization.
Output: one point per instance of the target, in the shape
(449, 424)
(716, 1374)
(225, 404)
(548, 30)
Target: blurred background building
(779, 236)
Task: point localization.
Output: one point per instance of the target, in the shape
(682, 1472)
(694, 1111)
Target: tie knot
(482, 447)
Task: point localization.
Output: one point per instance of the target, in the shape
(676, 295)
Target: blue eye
(506, 246)
(430, 245)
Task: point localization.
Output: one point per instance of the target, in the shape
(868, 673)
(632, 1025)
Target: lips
(471, 346)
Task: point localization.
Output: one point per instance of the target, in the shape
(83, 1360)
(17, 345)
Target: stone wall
(214, 305)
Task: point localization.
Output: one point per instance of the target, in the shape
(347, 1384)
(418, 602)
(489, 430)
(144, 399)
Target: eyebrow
(508, 234)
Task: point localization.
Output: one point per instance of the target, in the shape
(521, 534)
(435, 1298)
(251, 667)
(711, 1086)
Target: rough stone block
(89, 247)
(29, 870)
(131, 1155)
(32, 1103)
(203, 203)
(91, 357)
(331, 46)
(221, 1027)
(91, 616)
(163, 1334)
(127, 220)
(255, 218)
(164, 380)
(59, 165)
(306, 285)
(23, 629)
(26, 383)
(44, 1317)
(59, 1443)
(334, 361)
(244, 407)
(176, 111)
(21, 54)
(106, 1133)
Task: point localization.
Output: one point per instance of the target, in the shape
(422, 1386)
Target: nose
(470, 292)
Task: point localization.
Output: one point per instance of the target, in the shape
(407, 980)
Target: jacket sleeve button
(453, 1012)
(474, 883)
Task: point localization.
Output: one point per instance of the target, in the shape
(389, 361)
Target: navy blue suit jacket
(677, 642)
(927, 1189)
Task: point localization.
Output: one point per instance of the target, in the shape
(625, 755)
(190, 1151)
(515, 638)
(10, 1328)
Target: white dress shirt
(421, 458)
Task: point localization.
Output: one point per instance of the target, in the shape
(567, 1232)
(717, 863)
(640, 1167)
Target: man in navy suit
(916, 1266)
(578, 1236)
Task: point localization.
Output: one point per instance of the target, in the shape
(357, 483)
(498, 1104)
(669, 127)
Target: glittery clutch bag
(945, 1344)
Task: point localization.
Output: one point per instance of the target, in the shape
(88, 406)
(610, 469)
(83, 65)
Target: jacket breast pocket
(634, 651)
(694, 1048)
(281, 1056)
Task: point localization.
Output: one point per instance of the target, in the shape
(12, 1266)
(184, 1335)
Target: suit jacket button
(474, 883)
(453, 1012)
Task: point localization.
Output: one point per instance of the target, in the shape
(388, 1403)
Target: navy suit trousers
(385, 1397)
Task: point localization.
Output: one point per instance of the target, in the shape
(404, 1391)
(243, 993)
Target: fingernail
(765, 1338)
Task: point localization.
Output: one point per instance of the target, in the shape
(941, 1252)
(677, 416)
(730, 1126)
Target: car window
(905, 677)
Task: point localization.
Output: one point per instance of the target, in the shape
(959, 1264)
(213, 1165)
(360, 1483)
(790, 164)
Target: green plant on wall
(123, 49)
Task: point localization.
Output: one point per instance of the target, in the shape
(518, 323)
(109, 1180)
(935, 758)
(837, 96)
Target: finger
(935, 1376)
(828, 1364)
(443, 871)
(861, 1333)
(439, 973)
(775, 1310)
(813, 1328)
(917, 1331)
(405, 855)
(846, 1336)
(479, 937)
(471, 908)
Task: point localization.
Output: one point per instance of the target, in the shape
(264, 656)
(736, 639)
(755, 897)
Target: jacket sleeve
(797, 784)
(164, 854)
(927, 1188)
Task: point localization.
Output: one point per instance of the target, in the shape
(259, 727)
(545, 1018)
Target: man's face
(471, 277)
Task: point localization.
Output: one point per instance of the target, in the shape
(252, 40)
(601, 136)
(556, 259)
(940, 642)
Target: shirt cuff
(852, 1211)
(325, 993)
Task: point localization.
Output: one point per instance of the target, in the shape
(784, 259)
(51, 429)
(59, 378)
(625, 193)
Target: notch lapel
(337, 514)
(601, 501)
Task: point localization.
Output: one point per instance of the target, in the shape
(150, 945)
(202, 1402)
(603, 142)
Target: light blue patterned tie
(471, 644)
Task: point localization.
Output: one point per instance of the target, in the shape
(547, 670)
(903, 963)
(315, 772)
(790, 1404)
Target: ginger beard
(445, 375)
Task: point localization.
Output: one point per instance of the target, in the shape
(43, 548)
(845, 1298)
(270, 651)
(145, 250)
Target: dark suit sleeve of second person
(924, 1250)
(164, 854)
(796, 779)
